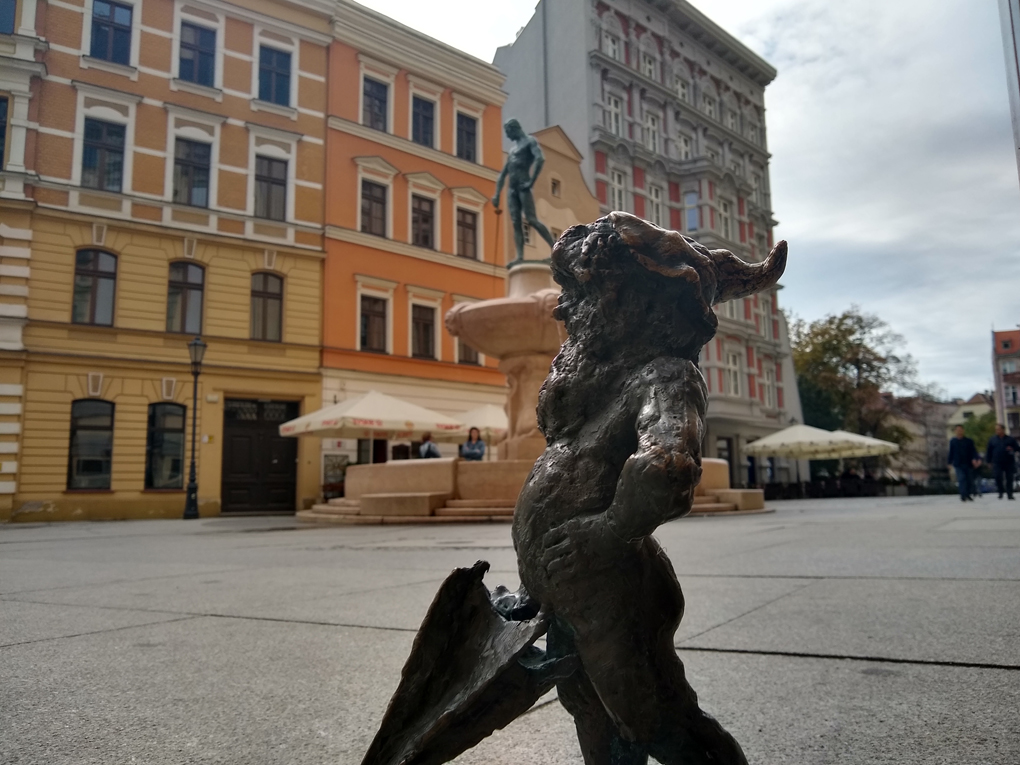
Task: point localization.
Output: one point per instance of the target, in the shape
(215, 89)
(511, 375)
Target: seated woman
(474, 448)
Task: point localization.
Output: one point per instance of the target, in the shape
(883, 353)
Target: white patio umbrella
(866, 446)
(373, 415)
(490, 420)
(801, 442)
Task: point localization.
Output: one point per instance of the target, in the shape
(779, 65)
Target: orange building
(413, 149)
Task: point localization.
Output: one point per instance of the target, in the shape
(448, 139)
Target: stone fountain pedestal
(521, 332)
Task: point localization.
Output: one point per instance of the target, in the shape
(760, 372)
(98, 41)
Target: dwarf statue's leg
(597, 735)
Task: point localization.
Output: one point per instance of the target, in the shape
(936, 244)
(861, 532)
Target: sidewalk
(832, 631)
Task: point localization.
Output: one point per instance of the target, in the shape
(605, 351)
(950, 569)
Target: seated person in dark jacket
(963, 456)
(1001, 456)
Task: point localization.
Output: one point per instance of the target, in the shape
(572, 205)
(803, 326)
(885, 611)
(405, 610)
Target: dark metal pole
(191, 504)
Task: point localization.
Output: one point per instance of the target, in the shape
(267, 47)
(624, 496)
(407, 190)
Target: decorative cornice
(385, 39)
(410, 147)
(403, 248)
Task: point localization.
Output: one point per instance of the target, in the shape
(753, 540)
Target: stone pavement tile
(264, 592)
(51, 570)
(712, 601)
(204, 690)
(949, 621)
(28, 622)
(794, 711)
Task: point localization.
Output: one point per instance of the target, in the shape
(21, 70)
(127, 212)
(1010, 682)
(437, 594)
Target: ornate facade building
(161, 177)
(1006, 370)
(413, 152)
(669, 111)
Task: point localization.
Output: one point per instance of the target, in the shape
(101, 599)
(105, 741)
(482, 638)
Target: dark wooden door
(259, 466)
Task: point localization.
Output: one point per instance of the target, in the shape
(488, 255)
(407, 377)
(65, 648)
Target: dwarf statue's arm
(657, 482)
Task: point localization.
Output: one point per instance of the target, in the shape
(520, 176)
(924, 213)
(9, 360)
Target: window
(164, 447)
(102, 159)
(655, 206)
(756, 195)
(91, 450)
(373, 324)
(729, 309)
(686, 151)
(467, 234)
(7, 12)
(95, 280)
(708, 104)
(731, 119)
(184, 298)
(270, 188)
(3, 130)
(423, 121)
(373, 208)
(737, 167)
(765, 319)
(731, 376)
(374, 109)
(266, 307)
(770, 389)
(614, 116)
(198, 55)
(725, 220)
(111, 32)
(611, 46)
(1008, 367)
(191, 173)
(423, 332)
(274, 76)
(648, 66)
(652, 132)
(423, 222)
(754, 134)
(466, 354)
(554, 187)
(618, 187)
(691, 206)
(683, 90)
(467, 137)
(713, 156)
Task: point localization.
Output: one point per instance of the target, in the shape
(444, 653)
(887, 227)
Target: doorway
(259, 465)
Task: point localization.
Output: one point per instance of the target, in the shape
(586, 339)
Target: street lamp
(196, 350)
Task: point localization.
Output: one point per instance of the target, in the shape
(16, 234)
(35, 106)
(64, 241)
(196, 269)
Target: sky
(893, 173)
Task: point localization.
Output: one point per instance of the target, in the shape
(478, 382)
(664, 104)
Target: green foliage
(980, 429)
(843, 365)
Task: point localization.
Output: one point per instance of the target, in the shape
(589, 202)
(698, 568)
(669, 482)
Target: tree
(980, 429)
(843, 364)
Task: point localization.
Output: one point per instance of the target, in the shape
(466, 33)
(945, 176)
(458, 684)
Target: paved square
(835, 631)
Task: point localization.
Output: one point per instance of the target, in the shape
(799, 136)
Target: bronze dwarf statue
(623, 414)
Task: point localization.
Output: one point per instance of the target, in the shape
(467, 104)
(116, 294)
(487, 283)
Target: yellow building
(162, 177)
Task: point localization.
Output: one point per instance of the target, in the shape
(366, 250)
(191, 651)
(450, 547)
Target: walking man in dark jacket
(1001, 456)
(963, 456)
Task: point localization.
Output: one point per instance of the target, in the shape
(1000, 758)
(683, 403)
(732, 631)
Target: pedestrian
(963, 456)
(428, 448)
(1001, 456)
(474, 448)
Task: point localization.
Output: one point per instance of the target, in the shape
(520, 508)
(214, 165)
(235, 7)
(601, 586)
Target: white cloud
(893, 175)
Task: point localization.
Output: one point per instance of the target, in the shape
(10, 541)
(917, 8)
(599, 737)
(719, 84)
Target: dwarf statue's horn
(738, 279)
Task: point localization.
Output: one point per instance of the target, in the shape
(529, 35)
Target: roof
(979, 398)
(1007, 343)
(717, 40)
(554, 138)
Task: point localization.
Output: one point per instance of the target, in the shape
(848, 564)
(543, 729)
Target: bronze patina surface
(623, 414)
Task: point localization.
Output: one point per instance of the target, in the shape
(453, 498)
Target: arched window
(184, 298)
(95, 280)
(266, 307)
(90, 455)
(164, 447)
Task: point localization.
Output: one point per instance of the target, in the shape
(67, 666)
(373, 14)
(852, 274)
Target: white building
(668, 109)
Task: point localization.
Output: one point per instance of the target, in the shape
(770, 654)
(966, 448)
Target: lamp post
(196, 350)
